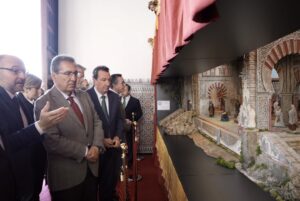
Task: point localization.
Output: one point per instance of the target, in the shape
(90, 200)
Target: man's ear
(53, 76)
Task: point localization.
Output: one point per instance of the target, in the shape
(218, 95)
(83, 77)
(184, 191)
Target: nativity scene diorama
(251, 107)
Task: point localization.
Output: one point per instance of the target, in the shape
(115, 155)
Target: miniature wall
(217, 82)
(169, 89)
(187, 92)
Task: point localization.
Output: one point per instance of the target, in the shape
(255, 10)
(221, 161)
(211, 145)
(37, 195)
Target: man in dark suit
(117, 85)
(37, 154)
(16, 133)
(131, 105)
(107, 105)
(73, 145)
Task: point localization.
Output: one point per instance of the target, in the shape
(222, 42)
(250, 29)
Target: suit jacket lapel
(84, 109)
(129, 103)
(60, 100)
(97, 105)
(8, 105)
(111, 101)
(27, 108)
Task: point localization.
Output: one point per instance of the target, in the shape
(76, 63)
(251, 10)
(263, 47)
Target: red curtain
(176, 25)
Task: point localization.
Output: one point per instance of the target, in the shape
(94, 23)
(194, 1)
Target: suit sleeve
(21, 139)
(120, 123)
(139, 111)
(98, 130)
(56, 143)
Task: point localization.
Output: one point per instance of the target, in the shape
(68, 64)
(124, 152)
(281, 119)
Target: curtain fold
(176, 25)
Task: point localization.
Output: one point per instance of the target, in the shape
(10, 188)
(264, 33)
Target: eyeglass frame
(69, 74)
(15, 70)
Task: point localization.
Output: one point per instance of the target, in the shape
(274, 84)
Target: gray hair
(54, 67)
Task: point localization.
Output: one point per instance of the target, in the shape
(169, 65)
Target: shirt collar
(127, 97)
(66, 96)
(114, 91)
(99, 94)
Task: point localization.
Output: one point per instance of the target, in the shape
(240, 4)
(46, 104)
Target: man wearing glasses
(72, 146)
(16, 134)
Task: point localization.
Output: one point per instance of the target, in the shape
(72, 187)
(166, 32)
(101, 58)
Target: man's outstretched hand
(50, 118)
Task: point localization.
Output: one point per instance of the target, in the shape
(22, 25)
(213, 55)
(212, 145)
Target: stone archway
(267, 57)
(276, 55)
(287, 47)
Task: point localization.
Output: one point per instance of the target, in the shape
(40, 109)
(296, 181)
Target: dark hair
(114, 79)
(99, 68)
(55, 62)
(129, 87)
(152, 3)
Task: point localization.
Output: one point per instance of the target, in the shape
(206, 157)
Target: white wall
(108, 32)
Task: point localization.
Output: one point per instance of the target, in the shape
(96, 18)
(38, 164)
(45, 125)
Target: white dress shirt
(99, 95)
(126, 100)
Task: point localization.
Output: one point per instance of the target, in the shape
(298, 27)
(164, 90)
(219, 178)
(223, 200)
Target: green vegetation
(261, 166)
(285, 182)
(252, 162)
(242, 160)
(227, 164)
(276, 195)
(258, 150)
(264, 187)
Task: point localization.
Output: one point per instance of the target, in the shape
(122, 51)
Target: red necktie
(76, 109)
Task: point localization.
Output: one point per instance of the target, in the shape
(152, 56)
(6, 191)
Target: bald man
(16, 134)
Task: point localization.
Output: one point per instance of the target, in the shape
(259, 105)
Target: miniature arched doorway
(287, 91)
(285, 53)
(217, 94)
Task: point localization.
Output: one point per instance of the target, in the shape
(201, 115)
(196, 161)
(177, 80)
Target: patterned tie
(76, 109)
(103, 105)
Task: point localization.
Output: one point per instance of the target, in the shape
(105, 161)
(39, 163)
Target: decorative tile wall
(144, 91)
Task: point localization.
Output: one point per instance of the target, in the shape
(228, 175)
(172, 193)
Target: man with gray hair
(73, 146)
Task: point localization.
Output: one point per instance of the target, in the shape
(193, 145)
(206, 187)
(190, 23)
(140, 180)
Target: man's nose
(73, 77)
(22, 74)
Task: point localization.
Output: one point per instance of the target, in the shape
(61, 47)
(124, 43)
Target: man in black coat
(132, 106)
(107, 105)
(16, 133)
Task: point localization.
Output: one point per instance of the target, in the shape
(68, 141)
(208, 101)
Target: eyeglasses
(14, 70)
(69, 73)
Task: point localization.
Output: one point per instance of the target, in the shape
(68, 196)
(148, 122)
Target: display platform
(192, 175)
